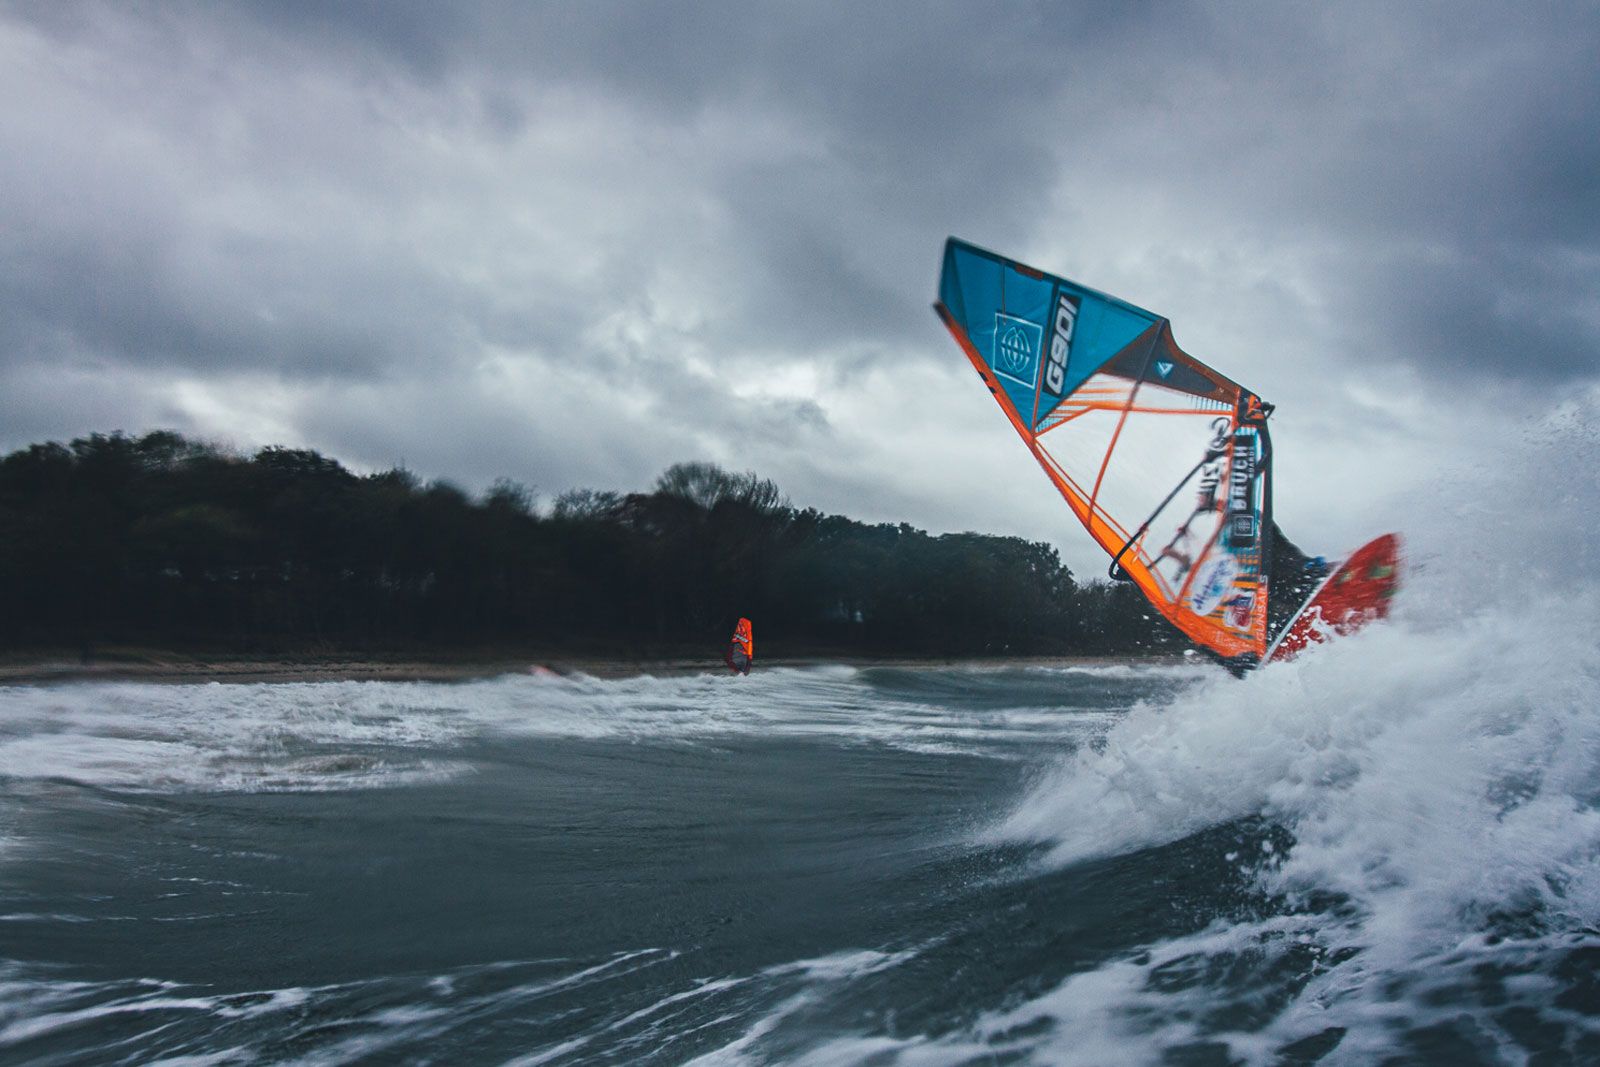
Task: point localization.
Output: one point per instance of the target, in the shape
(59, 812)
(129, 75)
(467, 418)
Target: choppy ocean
(1385, 852)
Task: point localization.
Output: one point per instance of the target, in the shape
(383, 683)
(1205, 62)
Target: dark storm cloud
(1475, 321)
(124, 300)
(1454, 182)
(372, 203)
(913, 116)
(893, 148)
(1470, 129)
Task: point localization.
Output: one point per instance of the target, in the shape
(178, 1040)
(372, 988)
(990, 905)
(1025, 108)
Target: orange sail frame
(1218, 596)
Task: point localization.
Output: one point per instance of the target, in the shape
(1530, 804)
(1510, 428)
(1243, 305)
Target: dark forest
(161, 541)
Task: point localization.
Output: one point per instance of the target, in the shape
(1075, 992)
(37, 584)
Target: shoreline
(172, 668)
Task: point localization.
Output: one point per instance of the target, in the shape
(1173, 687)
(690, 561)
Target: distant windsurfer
(741, 648)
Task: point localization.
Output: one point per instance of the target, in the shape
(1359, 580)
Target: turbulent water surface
(1384, 850)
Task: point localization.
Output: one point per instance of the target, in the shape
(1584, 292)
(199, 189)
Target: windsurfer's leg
(1286, 555)
(1294, 577)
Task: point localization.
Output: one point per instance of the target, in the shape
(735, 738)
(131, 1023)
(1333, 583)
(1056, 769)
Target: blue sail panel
(1041, 335)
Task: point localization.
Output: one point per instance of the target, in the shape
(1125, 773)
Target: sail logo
(1240, 608)
(1211, 468)
(1016, 348)
(1213, 583)
(1242, 530)
(1066, 322)
(1241, 491)
(1163, 367)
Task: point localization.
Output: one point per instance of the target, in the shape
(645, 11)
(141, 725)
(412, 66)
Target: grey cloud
(40, 402)
(1528, 323)
(915, 108)
(934, 118)
(367, 201)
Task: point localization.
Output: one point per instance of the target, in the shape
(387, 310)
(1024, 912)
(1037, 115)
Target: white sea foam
(308, 737)
(1438, 774)
(367, 1017)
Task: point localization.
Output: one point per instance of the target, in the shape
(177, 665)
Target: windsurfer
(1108, 408)
(1295, 576)
(741, 648)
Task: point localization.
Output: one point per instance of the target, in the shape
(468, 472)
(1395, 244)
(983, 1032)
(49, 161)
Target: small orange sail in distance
(741, 648)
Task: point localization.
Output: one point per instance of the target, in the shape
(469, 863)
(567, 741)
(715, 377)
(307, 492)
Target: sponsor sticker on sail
(1016, 349)
(1214, 582)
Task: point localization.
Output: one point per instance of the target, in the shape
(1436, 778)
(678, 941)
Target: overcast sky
(573, 243)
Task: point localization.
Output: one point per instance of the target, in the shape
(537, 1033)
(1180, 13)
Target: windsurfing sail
(741, 648)
(1166, 462)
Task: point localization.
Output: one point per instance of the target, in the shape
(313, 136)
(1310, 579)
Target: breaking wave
(1433, 783)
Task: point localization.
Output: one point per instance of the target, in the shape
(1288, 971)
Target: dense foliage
(159, 540)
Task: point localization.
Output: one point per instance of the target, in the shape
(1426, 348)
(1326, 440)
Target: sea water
(1385, 848)
(1385, 851)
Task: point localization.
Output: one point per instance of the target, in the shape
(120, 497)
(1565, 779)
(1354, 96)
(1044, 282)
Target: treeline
(163, 541)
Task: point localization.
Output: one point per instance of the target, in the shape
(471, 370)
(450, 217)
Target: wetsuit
(1294, 577)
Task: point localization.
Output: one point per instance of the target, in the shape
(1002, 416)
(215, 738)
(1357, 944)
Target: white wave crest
(1438, 775)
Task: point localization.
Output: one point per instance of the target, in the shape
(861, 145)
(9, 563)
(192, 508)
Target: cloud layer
(571, 244)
